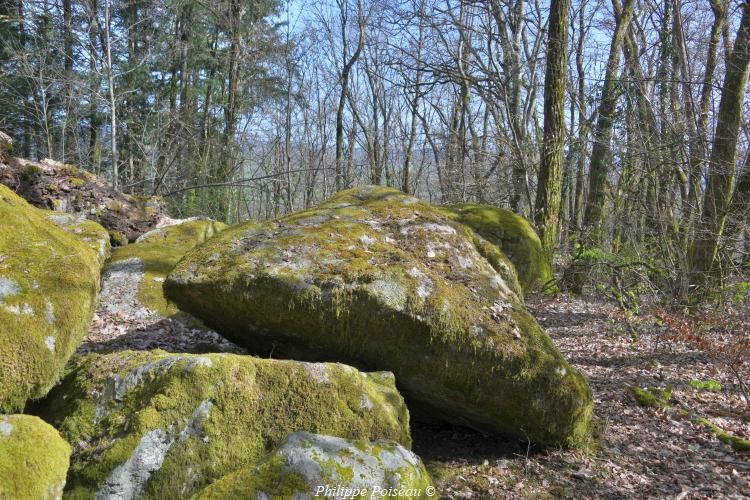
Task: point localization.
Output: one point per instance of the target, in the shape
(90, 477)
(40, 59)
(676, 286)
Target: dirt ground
(642, 452)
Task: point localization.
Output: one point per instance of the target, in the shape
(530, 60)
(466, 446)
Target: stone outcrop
(61, 187)
(382, 280)
(166, 425)
(133, 312)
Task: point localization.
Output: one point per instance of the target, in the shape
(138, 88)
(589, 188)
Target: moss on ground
(33, 459)
(48, 285)
(513, 235)
(736, 442)
(213, 413)
(382, 280)
(117, 239)
(651, 397)
(709, 385)
(159, 250)
(306, 462)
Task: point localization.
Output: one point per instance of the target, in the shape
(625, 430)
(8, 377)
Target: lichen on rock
(379, 279)
(33, 459)
(310, 465)
(95, 236)
(48, 285)
(166, 425)
(513, 235)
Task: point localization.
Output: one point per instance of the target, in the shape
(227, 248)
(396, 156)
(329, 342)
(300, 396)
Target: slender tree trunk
(600, 155)
(344, 82)
(68, 70)
(698, 149)
(549, 186)
(94, 87)
(111, 91)
(583, 127)
(722, 164)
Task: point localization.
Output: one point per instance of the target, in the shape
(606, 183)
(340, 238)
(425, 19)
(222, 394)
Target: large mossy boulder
(513, 234)
(166, 425)
(382, 280)
(49, 279)
(33, 459)
(312, 465)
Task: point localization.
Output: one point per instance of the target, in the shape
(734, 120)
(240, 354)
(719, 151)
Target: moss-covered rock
(94, 235)
(33, 459)
(312, 465)
(165, 425)
(513, 235)
(383, 280)
(158, 251)
(736, 442)
(48, 284)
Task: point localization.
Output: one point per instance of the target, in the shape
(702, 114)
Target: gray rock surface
(310, 465)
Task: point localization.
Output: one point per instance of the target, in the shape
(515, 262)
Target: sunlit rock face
(49, 278)
(310, 465)
(383, 280)
(162, 425)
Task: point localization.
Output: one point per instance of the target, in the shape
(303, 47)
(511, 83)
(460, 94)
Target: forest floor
(641, 452)
(658, 452)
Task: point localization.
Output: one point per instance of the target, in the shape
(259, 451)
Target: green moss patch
(513, 235)
(33, 459)
(737, 443)
(382, 280)
(651, 397)
(324, 466)
(709, 385)
(48, 285)
(94, 235)
(159, 250)
(179, 422)
(117, 239)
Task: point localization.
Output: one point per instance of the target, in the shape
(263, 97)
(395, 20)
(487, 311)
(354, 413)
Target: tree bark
(600, 155)
(722, 164)
(344, 82)
(549, 187)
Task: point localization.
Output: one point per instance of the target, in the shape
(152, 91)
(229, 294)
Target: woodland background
(620, 128)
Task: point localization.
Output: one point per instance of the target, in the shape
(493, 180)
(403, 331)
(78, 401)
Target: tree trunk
(547, 206)
(722, 165)
(94, 84)
(600, 155)
(344, 82)
(111, 91)
(698, 149)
